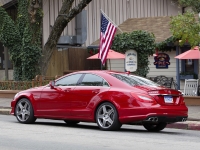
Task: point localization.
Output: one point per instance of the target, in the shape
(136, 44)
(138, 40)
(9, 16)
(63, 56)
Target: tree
(66, 14)
(185, 27)
(23, 39)
(194, 4)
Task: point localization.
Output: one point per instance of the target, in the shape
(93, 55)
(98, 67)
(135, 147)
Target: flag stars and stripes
(104, 24)
(108, 31)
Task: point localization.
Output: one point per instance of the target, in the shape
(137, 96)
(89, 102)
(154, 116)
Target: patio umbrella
(111, 55)
(191, 54)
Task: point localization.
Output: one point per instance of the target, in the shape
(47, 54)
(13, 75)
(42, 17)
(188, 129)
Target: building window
(189, 65)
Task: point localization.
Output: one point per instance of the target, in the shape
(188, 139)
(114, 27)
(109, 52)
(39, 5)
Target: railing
(23, 85)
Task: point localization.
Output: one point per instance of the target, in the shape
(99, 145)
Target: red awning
(191, 54)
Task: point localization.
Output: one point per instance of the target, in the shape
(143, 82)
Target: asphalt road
(56, 135)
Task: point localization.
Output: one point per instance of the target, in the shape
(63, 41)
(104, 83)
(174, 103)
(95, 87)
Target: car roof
(99, 71)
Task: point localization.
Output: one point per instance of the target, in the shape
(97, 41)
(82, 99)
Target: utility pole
(6, 63)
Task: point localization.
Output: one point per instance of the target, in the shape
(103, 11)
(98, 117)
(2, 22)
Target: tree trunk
(65, 15)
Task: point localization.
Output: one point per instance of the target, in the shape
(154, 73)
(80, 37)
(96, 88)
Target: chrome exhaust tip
(184, 119)
(153, 119)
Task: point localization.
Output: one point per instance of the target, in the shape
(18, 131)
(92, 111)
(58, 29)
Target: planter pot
(182, 77)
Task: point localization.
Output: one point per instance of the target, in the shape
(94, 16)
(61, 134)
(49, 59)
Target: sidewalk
(193, 122)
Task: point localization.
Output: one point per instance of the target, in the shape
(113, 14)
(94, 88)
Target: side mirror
(52, 84)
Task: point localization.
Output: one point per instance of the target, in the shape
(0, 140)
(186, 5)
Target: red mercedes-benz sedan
(106, 97)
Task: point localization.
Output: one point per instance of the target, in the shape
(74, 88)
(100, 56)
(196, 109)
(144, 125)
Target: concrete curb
(188, 125)
(5, 111)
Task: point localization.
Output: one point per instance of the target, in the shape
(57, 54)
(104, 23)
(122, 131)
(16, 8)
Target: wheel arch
(29, 97)
(101, 102)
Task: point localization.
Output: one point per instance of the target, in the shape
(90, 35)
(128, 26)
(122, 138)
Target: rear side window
(125, 79)
(93, 80)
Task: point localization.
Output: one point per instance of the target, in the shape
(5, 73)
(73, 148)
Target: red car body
(133, 103)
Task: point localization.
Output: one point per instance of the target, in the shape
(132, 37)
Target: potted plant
(188, 75)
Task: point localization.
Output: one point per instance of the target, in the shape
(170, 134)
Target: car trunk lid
(163, 95)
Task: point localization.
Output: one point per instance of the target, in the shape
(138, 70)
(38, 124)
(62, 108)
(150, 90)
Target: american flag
(108, 31)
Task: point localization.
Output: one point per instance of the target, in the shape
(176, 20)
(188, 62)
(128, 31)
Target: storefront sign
(131, 60)
(162, 61)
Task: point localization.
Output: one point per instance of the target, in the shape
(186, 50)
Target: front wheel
(24, 111)
(155, 127)
(107, 117)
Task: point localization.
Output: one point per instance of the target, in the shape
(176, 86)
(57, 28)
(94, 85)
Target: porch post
(177, 69)
(6, 63)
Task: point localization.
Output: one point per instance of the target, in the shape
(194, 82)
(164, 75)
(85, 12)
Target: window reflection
(93, 80)
(189, 65)
(134, 80)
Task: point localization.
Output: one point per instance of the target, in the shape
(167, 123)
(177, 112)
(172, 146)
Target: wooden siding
(116, 64)
(58, 63)
(118, 10)
(66, 60)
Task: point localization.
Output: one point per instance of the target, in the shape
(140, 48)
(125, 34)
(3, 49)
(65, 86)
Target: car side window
(93, 80)
(69, 80)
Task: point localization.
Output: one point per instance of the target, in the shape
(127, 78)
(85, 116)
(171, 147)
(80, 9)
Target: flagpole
(110, 20)
(100, 37)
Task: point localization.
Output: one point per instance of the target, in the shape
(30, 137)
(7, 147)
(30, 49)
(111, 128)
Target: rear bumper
(162, 113)
(168, 119)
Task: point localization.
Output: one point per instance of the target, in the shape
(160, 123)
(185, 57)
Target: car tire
(71, 122)
(155, 127)
(107, 117)
(24, 111)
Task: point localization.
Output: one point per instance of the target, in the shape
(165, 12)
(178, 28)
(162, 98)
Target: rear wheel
(155, 127)
(24, 111)
(107, 117)
(71, 122)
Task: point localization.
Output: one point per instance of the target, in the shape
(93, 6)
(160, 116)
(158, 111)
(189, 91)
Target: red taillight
(143, 98)
(182, 101)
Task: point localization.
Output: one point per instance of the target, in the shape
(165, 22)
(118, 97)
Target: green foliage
(141, 41)
(167, 45)
(23, 39)
(189, 73)
(185, 28)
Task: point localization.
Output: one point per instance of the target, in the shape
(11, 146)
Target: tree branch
(59, 25)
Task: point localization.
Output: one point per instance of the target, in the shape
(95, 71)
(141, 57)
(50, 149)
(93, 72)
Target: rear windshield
(134, 80)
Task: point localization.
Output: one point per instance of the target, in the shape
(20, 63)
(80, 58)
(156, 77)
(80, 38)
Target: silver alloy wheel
(105, 116)
(23, 109)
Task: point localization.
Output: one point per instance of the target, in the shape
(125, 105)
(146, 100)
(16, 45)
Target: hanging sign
(131, 60)
(162, 61)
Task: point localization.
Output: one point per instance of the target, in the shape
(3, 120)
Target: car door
(90, 86)
(55, 101)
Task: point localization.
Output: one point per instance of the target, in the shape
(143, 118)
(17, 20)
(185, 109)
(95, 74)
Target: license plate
(168, 99)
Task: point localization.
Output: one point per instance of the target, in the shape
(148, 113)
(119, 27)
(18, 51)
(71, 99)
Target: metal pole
(6, 63)
(177, 69)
